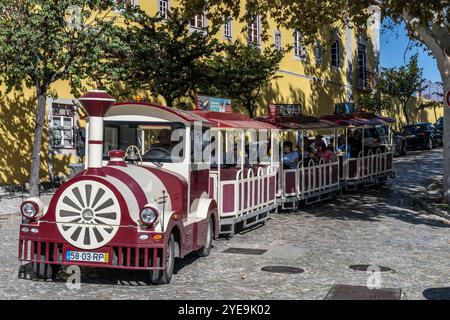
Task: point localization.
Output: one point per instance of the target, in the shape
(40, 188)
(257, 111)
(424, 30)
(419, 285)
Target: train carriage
(244, 187)
(308, 180)
(371, 162)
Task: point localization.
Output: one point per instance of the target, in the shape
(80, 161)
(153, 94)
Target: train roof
(153, 112)
(357, 119)
(233, 120)
(298, 122)
(131, 110)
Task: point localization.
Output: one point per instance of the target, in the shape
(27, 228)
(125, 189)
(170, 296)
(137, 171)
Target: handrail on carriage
(260, 172)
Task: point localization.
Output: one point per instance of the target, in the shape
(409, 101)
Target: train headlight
(32, 208)
(149, 215)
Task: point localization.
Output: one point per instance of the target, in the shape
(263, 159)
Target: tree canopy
(240, 72)
(402, 83)
(44, 41)
(163, 56)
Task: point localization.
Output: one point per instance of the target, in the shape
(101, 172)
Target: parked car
(440, 127)
(440, 124)
(422, 135)
(400, 144)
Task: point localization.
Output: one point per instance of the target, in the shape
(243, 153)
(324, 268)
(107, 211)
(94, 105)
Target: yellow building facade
(338, 67)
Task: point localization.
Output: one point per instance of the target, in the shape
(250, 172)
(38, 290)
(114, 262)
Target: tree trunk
(37, 143)
(169, 101)
(248, 104)
(436, 44)
(405, 112)
(446, 83)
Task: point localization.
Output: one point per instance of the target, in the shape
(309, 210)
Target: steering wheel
(158, 152)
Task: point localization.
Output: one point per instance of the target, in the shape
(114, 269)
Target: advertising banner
(206, 103)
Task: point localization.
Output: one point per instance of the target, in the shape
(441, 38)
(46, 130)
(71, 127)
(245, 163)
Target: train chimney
(96, 103)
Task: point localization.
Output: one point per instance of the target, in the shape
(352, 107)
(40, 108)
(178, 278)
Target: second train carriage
(242, 182)
(307, 179)
(369, 151)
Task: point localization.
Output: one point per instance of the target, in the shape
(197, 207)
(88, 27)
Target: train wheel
(45, 271)
(164, 276)
(206, 250)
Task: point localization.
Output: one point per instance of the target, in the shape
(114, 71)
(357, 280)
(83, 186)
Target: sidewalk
(11, 205)
(431, 199)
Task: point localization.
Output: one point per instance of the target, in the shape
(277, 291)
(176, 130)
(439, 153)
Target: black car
(422, 135)
(439, 124)
(400, 144)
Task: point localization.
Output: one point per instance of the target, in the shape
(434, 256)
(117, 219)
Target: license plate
(411, 136)
(87, 256)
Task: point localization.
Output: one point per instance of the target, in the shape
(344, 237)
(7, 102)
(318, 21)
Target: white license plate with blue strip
(87, 256)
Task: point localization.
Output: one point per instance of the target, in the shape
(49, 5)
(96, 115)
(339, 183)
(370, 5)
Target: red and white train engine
(125, 215)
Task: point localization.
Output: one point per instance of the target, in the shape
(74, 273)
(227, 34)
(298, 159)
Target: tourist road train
(161, 183)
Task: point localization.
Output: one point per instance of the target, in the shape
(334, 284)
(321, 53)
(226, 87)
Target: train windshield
(157, 142)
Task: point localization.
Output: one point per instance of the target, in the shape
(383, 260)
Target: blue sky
(393, 45)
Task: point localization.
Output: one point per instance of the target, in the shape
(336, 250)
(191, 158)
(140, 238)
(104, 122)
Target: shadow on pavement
(394, 199)
(107, 276)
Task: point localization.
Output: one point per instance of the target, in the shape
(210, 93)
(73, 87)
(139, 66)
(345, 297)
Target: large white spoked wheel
(164, 276)
(206, 250)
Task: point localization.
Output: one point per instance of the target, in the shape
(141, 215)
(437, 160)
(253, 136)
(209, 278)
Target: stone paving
(379, 226)
(11, 204)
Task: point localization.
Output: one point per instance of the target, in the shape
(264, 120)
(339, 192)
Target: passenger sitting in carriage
(341, 145)
(290, 158)
(355, 144)
(329, 154)
(318, 141)
(320, 149)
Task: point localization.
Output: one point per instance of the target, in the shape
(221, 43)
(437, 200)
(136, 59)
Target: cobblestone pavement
(9, 205)
(380, 226)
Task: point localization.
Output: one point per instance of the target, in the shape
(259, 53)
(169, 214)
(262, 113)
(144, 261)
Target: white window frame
(278, 40)
(228, 27)
(163, 8)
(200, 22)
(61, 129)
(299, 49)
(335, 56)
(254, 31)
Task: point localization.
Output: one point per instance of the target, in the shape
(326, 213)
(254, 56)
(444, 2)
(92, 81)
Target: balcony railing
(365, 80)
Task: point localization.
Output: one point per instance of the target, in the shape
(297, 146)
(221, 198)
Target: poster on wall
(206, 103)
(284, 110)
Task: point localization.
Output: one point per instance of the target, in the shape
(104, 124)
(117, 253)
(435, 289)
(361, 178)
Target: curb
(432, 210)
(8, 214)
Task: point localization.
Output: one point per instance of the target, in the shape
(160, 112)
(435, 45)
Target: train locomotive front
(120, 215)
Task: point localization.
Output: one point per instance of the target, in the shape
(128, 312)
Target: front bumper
(147, 254)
